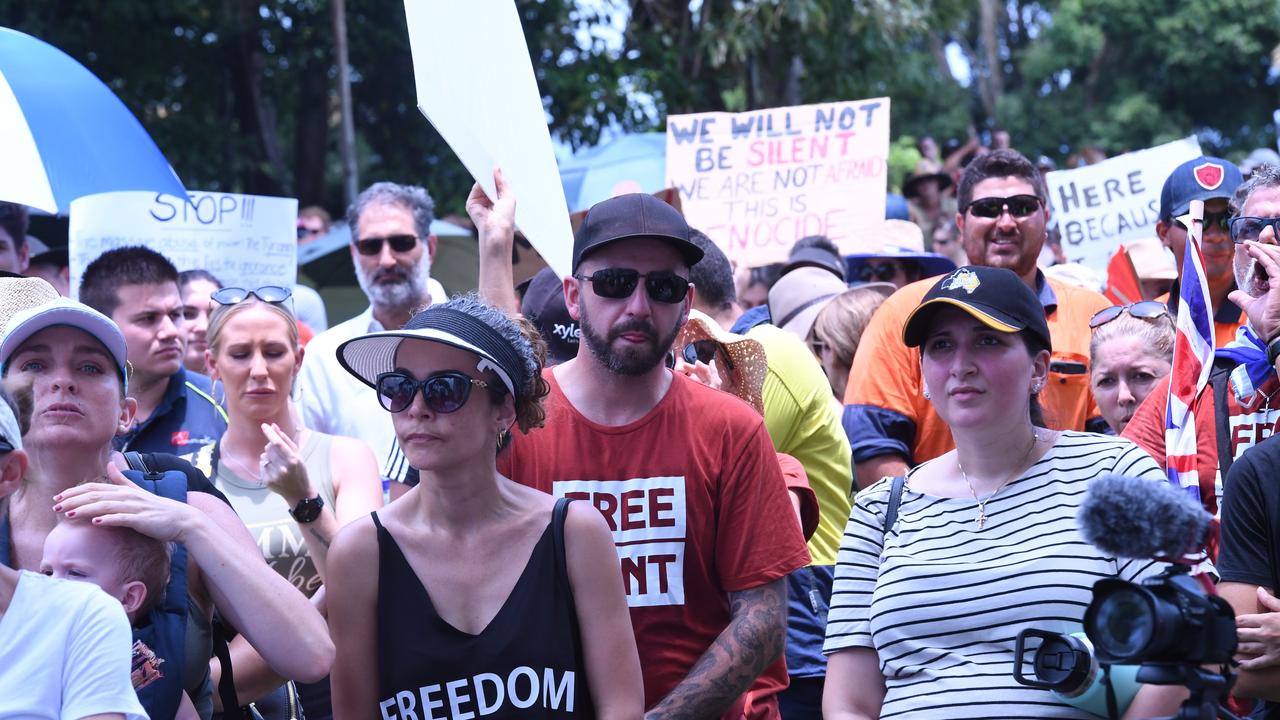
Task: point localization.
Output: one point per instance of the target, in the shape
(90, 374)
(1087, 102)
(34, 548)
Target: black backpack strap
(138, 462)
(558, 514)
(227, 681)
(895, 499)
(1221, 382)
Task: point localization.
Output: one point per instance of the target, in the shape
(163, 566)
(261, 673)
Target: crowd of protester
(665, 486)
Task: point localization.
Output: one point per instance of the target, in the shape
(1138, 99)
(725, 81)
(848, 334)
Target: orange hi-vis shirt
(887, 405)
(1227, 319)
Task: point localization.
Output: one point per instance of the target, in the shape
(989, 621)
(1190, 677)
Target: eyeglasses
(444, 392)
(308, 232)
(1145, 310)
(704, 351)
(618, 283)
(267, 293)
(1250, 228)
(884, 272)
(398, 243)
(1020, 206)
(1221, 220)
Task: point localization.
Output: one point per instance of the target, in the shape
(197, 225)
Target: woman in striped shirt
(924, 613)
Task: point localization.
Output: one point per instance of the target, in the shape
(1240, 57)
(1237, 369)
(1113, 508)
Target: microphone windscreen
(1140, 518)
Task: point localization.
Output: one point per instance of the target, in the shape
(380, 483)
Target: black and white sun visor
(368, 356)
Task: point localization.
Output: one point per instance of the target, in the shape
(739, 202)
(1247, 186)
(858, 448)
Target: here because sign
(1099, 207)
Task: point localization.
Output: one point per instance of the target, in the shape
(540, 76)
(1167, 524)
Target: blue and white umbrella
(64, 134)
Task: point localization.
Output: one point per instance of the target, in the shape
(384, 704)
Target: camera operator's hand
(1259, 635)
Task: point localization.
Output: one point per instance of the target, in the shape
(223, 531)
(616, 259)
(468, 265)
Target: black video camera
(1168, 619)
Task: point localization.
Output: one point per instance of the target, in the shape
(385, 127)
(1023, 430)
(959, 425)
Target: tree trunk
(993, 83)
(250, 107)
(311, 140)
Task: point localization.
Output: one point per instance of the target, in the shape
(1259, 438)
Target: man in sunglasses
(1002, 223)
(1214, 181)
(901, 259)
(138, 288)
(1240, 408)
(392, 248)
(685, 475)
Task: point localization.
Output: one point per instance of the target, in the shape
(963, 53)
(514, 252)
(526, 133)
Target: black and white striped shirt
(941, 601)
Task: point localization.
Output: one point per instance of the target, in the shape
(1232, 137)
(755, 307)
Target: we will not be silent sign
(756, 182)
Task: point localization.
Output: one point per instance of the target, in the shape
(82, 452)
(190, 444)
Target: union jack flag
(1192, 360)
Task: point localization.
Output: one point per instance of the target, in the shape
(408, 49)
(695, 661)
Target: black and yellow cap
(996, 297)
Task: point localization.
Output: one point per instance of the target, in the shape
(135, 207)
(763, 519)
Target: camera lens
(1124, 623)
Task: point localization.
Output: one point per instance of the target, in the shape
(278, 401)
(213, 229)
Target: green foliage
(240, 95)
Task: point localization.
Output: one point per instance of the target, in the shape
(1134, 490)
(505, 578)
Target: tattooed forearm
(320, 537)
(753, 639)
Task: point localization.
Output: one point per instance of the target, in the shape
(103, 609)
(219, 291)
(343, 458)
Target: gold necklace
(982, 504)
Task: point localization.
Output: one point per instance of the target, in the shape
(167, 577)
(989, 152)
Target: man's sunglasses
(1020, 206)
(1145, 310)
(619, 283)
(444, 392)
(267, 293)
(1221, 220)
(398, 243)
(884, 272)
(704, 351)
(1250, 228)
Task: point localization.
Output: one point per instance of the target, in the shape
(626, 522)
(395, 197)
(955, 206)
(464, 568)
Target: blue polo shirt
(187, 419)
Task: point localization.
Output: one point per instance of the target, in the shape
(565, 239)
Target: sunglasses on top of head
(267, 293)
(444, 392)
(1020, 206)
(619, 283)
(1145, 310)
(398, 243)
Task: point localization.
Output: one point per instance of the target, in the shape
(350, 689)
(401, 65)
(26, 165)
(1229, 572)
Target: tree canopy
(241, 95)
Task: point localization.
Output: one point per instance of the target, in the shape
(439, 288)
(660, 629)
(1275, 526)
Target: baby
(128, 566)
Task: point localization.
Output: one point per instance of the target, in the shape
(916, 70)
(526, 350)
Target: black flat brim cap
(993, 296)
(635, 215)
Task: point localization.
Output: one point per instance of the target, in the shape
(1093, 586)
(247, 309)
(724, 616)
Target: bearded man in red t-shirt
(685, 475)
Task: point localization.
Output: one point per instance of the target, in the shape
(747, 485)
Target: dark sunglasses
(1145, 310)
(618, 283)
(885, 272)
(398, 243)
(1221, 220)
(266, 293)
(704, 351)
(1250, 228)
(304, 232)
(444, 392)
(1020, 206)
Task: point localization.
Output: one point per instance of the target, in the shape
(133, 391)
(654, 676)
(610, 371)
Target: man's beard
(407, 291)
(1250, 276)
(633, 361)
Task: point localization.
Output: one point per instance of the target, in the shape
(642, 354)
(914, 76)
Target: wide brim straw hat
(925, 170)
(750, 364)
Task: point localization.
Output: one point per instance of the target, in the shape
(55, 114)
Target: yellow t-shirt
(803, 419)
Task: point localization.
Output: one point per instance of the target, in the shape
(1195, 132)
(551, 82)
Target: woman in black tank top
(472, 596)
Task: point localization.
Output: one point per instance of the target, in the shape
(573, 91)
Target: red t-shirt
(696, 500)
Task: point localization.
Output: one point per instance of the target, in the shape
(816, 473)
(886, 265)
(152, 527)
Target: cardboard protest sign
(1100, 207)
(755, 182)
(475, 84)
(244, 240)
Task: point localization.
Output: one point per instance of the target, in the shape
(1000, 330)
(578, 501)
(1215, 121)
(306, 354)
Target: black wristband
(1273, 351)
(307, 510)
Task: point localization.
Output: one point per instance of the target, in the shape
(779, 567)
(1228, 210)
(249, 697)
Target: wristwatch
(307, 509)
(1273, 351)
